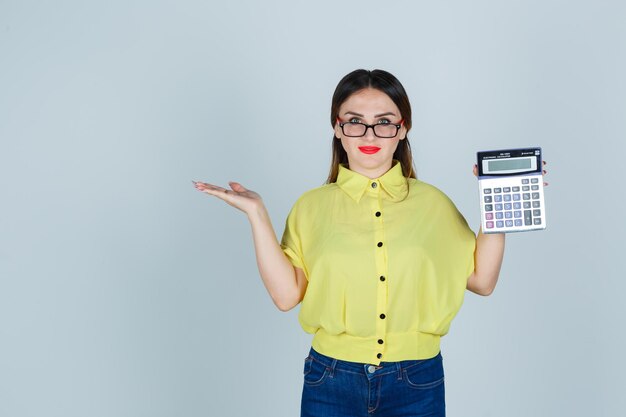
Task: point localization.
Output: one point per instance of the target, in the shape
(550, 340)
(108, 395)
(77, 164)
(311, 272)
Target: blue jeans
(336, 388)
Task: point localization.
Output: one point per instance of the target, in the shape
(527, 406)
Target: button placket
(381, 277)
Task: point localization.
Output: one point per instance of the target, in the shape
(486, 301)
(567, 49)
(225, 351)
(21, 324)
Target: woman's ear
(402, 133)
(337, 130)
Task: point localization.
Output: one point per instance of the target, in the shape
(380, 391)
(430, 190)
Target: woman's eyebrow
(353, 113)
(389, 113)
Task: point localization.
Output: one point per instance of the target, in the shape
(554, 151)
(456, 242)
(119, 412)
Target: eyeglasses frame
(397, 125)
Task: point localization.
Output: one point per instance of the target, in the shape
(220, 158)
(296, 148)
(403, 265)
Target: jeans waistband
(384, 367)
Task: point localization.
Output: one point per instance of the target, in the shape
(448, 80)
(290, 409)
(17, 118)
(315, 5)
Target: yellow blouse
(387, 262)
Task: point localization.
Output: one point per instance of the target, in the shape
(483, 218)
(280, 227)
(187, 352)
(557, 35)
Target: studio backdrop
(124, 292)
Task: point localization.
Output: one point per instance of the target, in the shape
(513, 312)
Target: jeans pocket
(425, 375)
(314, 372)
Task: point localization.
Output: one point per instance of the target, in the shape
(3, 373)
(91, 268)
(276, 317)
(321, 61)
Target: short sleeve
(450, 262)
(291, 242)
(463, 244)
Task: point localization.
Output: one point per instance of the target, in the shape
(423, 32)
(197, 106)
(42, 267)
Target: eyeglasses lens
(380, 130)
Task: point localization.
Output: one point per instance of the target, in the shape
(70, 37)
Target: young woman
(379, 260)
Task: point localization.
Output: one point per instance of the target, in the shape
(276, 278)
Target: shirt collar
(354, 184)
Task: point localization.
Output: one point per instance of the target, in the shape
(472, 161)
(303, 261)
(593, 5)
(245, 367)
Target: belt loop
(399, 370)
(332, 368)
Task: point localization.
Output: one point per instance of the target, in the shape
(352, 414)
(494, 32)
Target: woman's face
(369, 155)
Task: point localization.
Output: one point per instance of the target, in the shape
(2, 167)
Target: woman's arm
(487, 262)
(285, 283)
(487, 258)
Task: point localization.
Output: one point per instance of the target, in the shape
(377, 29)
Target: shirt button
(380, 355)
(380, 341)
(382, 316)
(374, 185)
(380, 244)
(371, 369)
(378, 214)
(382, 278)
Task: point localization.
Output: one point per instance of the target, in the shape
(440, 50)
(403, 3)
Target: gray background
(125, 292)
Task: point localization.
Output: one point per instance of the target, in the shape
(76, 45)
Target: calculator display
(511, 190)
(509, 164)
(504, 163)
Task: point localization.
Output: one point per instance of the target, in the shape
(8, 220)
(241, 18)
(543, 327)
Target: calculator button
(517, 206)
(515, 189)
(487, 199)
(534, 187)
(498, 206)
(508, 206)
(526, 204)
(499, 215)
(507, 197)
(536, 213)
(526, 188)
(537, 220)
(516, 197)
(489, 225)
(525, 181)
(500, 224)
(526, 196)
(497, 190)
(528, 218)
(508, 214)
(509, 223)
(497, 198)
(534, 180)
(535, 196)
(517, 214)
(488, 216)
(536, 204)
(488, 207)
(518, 222)
(506, 189)
(487, 191)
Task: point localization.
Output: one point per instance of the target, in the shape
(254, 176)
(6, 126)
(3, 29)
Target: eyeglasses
(381, 130)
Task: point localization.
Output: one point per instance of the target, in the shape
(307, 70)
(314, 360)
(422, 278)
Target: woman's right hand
(285, 283)
(238, 196)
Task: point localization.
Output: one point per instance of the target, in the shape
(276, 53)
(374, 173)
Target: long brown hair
(380, 80)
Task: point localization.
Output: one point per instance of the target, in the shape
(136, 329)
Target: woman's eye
(383, 121)
(354, 120)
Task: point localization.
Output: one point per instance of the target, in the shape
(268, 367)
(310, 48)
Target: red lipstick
(369, 149)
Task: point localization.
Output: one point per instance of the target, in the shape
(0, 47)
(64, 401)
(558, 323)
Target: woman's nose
(369, 133)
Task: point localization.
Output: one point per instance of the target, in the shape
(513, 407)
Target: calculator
(510, 183)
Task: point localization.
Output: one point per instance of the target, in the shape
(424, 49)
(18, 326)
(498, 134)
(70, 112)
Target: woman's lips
(369, 149)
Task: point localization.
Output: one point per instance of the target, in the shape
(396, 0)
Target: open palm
(238, 196)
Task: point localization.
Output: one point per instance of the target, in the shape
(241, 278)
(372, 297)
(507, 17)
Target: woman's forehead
(369, 102)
